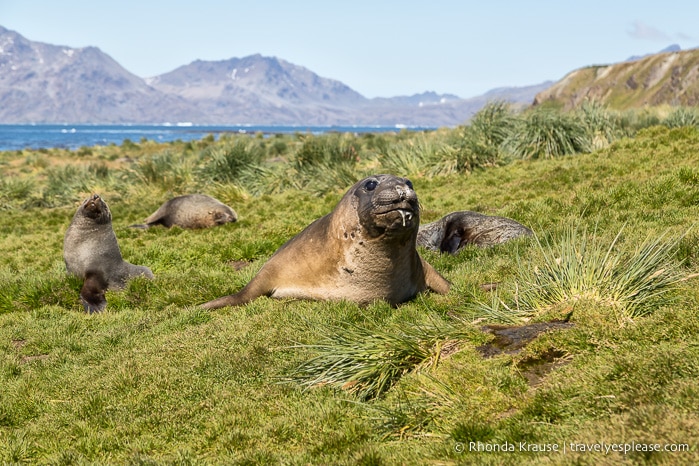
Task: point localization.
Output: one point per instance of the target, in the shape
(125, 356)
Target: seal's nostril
(402, 193)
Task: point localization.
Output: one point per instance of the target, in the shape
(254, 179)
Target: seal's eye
(371, 185)
(409, 184)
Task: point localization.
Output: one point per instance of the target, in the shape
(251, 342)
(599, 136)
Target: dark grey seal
(91, 252)
(457, 229)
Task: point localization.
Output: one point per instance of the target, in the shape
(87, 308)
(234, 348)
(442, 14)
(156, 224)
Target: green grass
(154, 380)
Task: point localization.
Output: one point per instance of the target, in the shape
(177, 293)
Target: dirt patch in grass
(37, 357)
(19, 344)
(238, 265)
(535, 368)
(511, 339)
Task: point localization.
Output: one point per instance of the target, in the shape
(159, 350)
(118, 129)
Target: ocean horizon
(66, 136)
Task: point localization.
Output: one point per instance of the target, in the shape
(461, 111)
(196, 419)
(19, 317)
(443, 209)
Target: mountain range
(44, 83)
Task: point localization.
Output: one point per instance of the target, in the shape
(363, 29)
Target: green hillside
(155, 380)
(660, 79)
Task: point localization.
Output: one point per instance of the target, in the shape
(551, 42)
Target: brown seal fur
(191, 211)
(364, 250)
(91, 252)
(457, 229)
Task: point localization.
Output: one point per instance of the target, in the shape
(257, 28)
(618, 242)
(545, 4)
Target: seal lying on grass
(91, 252)
(191, 211)
(362, 251)
(457, 229)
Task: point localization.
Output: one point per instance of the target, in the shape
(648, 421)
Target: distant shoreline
(73, 136)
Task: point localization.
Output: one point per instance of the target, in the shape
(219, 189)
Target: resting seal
(364, 250)
(457, 229)
(91, 252)
(191, 211)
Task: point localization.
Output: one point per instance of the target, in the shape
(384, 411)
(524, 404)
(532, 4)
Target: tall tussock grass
(580, 267)
(368, 361)
(602, 125)
(15, 192)
(327, 164)
(424, 155)
(67, 184)
(682, 116)
(168, 170)
(230, 161)
(479, 144)
(543, 134)
(329, 150)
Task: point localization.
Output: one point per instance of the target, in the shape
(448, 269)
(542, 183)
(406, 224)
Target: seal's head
(386, 204)
(222, 215)
(96, 209)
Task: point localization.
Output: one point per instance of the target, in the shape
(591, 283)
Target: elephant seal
(191, 211)
(457, 229)
(364, 250)
(91, 252)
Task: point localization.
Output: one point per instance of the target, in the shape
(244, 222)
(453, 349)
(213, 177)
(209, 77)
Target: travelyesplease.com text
(569, 447)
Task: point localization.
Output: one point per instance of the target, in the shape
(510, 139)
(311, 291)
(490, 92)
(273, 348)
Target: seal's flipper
(92, 294)
(433, 280)
(256, 288)
(224, 301)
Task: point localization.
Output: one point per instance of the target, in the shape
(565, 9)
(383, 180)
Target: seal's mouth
(399, 215)
(405, 215)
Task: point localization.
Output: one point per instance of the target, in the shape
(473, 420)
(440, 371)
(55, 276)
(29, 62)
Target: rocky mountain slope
(43, 83)
(46, 83)
(259, 89)
(664, 78)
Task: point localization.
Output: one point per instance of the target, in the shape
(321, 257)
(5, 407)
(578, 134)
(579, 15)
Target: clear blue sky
(378, 48)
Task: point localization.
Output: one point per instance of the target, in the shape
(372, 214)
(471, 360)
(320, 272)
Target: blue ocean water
(16, 137)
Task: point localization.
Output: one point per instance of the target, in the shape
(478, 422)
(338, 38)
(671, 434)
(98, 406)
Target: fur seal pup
(457, 229)
(91, 252)
(364, 250)
(191, 211)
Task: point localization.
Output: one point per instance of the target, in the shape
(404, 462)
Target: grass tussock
(367, 362)
(682, 116)
(547, 134)
(582, 267)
